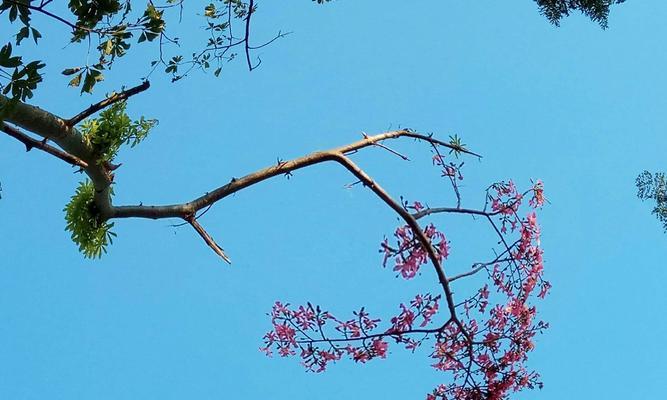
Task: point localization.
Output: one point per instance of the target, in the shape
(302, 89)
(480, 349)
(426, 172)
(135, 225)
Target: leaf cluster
(89, 232)
(113, 128)
(113, 24)
(23, 78)
(654, 187)
(596, 10)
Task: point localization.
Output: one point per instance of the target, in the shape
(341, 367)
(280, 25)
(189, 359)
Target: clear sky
(161, 317)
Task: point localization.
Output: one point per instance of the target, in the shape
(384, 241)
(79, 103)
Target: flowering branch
(483, 341)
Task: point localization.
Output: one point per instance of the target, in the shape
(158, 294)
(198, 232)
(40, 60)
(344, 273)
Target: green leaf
(35, 34)
(6, 60)
(13, 12)
(92, 77)
(107, 47)
(71, 71)
(23, 33)
(76, 81)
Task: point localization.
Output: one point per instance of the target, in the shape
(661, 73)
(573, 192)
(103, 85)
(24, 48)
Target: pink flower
(380, 348)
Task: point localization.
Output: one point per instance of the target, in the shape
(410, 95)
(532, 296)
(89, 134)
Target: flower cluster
(449, 169)
(486, 353)
(409, 254)
(319, 338)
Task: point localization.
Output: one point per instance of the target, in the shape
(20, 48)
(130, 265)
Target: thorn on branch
(111, 166)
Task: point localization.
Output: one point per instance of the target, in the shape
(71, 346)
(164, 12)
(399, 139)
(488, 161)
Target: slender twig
(471, 272)
(394, 152)
(41, 9)
(251, 6)
(114, 98)
(453, 210)
(371, 336)
(31, 143)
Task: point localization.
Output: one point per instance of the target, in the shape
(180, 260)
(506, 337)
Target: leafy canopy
(115, 27)
(654, 187)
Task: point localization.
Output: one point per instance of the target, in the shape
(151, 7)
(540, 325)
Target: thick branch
(31, 143)
(51, 127)
(411, 221)
(184, 209)
(114, 98)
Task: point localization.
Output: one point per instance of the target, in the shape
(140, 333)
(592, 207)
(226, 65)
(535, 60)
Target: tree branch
(187, 210)
(251, 10)
(412, 223)
(114, 98)
(31, 143)
(68, 138)
(182, 210)
(207, 238)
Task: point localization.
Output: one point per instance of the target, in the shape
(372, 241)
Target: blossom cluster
(409, 254)
(486, 351)
(318, 337)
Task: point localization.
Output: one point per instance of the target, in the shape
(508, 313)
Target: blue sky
(161, 317)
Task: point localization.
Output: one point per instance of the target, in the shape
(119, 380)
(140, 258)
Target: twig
(114, 98)
(404, 158)
(251, 5)
(207, 238)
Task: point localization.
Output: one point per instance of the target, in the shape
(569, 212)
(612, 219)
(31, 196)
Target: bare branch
(392, 151)
(207, 238)
(184, 209)
(451, 210)
(251, 9)
(114, 98)
(31, 143)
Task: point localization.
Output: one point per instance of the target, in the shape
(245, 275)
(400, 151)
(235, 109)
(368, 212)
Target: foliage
(654, 187)
(90, 233)
(114, 128)
(24, 77)
(113, 26)
(596, 10)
